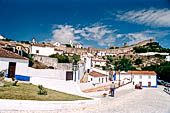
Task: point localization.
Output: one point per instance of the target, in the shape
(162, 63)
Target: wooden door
(140, 83)
(11, 70)
(69, 75)
(149, 84)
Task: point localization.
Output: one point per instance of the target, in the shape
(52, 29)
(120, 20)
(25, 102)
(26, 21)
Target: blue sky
(98, 23)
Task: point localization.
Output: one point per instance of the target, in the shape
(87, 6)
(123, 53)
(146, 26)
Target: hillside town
(76, 70)
(84, 56)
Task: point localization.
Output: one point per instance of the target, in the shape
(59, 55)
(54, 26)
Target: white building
(98, 62)
(43, 49)
(87, 58)
(58, 44)
(58, 51)
(167, 58)
(16, 65)
(78, 45)
(110, 54)
(144, 78)
(101, 54)
(96, 77)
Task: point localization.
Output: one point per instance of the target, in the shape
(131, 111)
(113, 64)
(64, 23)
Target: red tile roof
(44, 45)
(143, 72)
(96, 74)
(138, 73)
(8, 54)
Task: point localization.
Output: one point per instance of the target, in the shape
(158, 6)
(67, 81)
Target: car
(138, 86)
(167, 90)
(167, 85)
(164, 83)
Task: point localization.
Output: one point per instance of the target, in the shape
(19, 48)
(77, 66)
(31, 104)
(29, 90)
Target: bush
(15, 83)
(42, 90)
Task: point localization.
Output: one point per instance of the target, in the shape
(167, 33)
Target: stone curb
(24, 105)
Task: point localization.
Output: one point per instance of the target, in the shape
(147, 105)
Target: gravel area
(147, 100)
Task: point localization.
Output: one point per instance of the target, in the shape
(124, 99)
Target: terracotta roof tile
(8, 54)
(96, 74)
(44, 45)
(138, 72)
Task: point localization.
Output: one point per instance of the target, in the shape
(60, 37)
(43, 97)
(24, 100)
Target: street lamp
(74, 68)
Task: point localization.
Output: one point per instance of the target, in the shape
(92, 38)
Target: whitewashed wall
(152, 53)
(21, 65)
(96, 79)
(48, 73)
(100, 63)
(44, 51)
(59, 85)
(145, 80)
(123, 77)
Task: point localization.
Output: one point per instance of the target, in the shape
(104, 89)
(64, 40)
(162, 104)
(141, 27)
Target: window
(99, 80)
(91, 79)
(37, 51)
(140, 77)
(149, 77)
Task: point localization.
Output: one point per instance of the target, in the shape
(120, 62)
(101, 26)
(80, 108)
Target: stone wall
(94, 50)
(53, 62)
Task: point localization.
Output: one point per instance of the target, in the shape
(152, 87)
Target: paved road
(148, 100)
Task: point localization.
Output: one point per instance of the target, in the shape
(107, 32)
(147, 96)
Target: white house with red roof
(15, 65)
(97, 77)
(144, 78)
(43, 49)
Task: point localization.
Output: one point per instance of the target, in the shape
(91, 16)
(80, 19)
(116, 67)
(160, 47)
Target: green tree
(124, 65)
(76, 58)
(110, 58)
(61, 58)
(138, 61)
(25, 42)
(68, 45)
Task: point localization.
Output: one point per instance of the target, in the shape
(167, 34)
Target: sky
(94, 23)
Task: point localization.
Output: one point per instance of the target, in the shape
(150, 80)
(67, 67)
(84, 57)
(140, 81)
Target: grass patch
(24, 91)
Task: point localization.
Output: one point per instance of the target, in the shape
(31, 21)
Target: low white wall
(100, 71)
(70, 87)
(48, 73)
(89, 85)
(152, 53)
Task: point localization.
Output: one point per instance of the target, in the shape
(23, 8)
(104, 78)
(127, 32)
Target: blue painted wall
(114, 76)
(20, 77)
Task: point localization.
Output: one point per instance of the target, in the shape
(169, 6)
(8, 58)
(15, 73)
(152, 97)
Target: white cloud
(101, 35)
(98, 33)
(136, 37)
(95, 32)
(151, 17)
(119, 35)
(64, 33)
